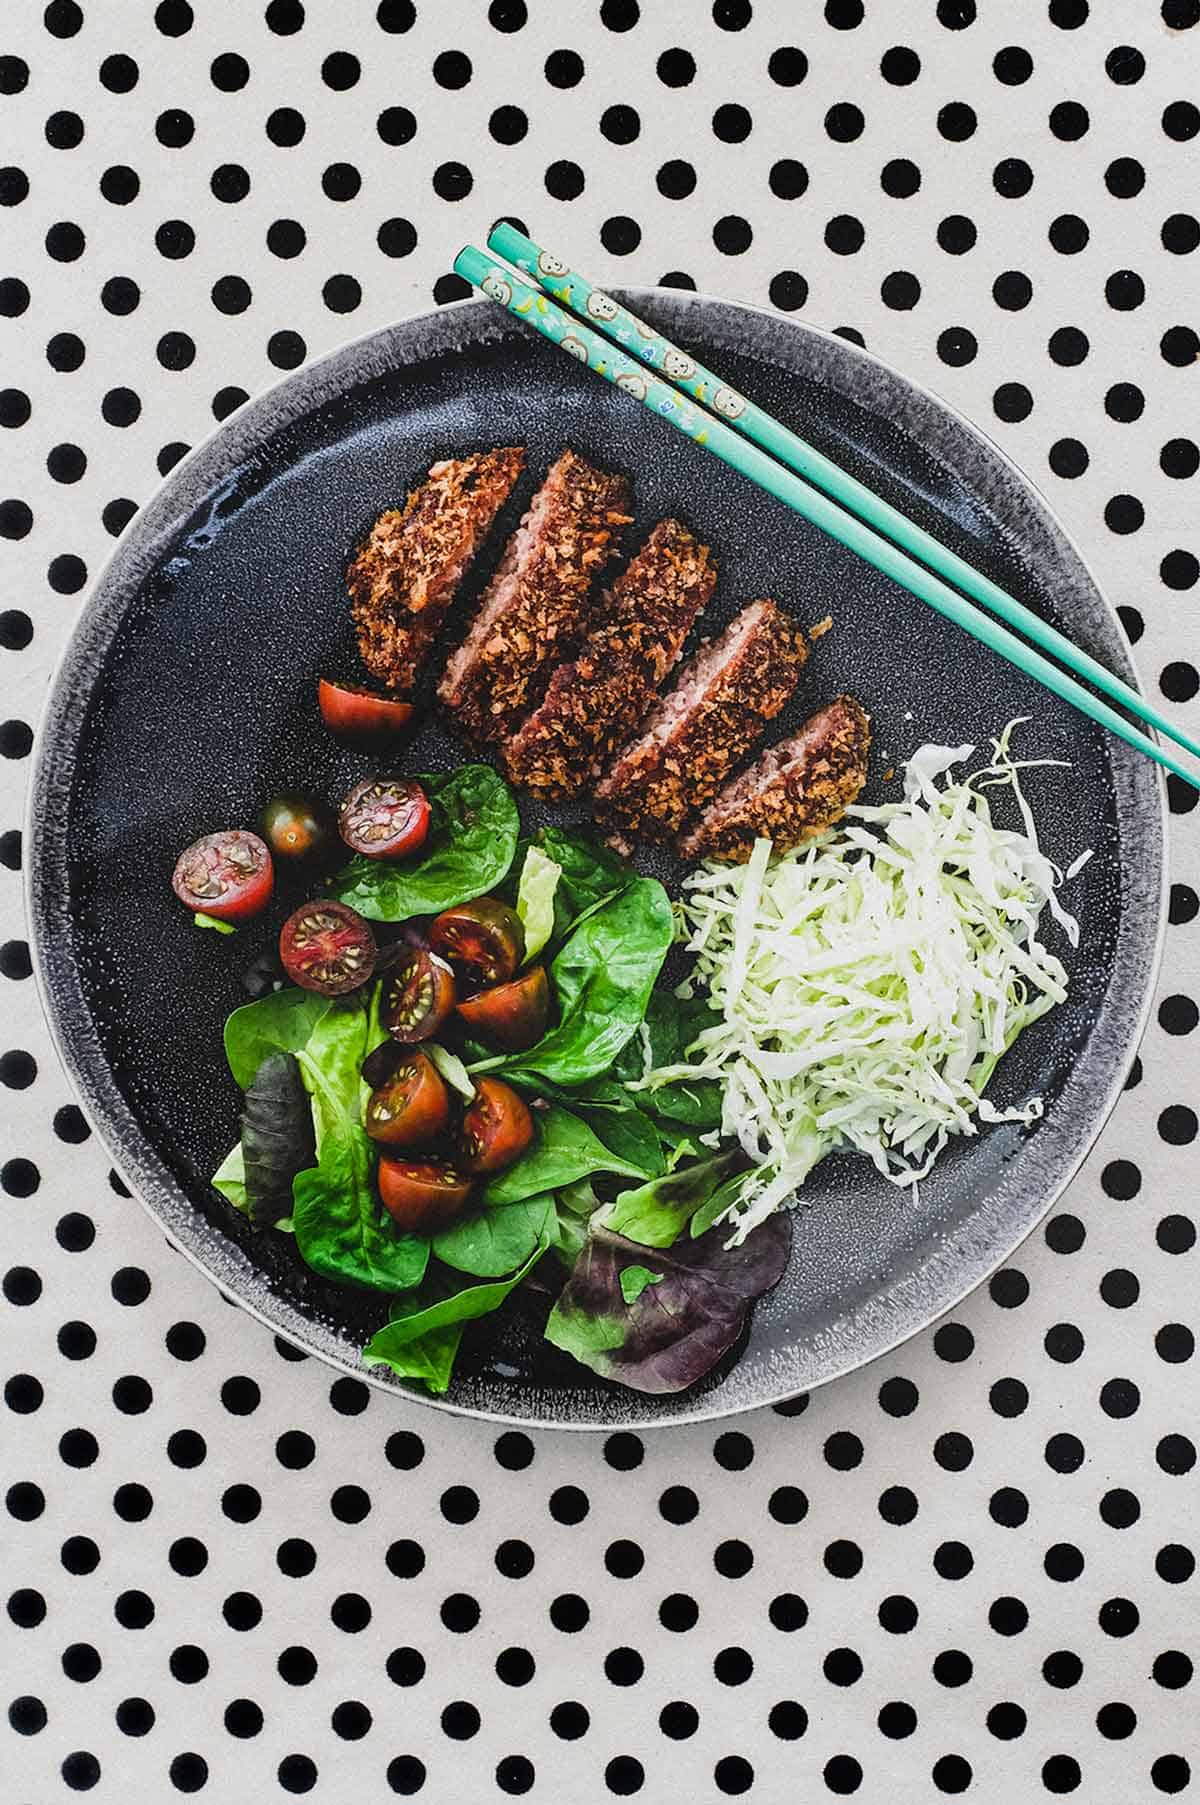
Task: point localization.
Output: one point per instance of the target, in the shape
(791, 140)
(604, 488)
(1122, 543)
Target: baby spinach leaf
(279, 1023)
(603, 977)
(472, 838)
(676, 1328)
(563, 1149)
(499, 1238)
(588, 874)
(634, 1280)
(340, 1230)
(671, 1025)
(656, 1213)
(535, 899)
(422, 1339)
(277, 1137)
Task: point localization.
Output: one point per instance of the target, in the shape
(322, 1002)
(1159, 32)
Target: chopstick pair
(697, 403)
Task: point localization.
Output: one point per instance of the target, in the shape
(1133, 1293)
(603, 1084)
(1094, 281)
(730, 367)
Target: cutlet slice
(406, 572)
(795, 790)
(593, 701)
(695, 736)
(536, 605)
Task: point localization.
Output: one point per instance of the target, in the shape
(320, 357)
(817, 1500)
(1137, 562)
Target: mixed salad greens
(439, 1153)
(474, 1077)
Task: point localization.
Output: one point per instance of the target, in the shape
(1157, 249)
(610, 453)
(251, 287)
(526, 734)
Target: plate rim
(72, 660)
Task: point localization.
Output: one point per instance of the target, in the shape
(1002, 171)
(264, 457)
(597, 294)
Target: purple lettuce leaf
(678, 1325)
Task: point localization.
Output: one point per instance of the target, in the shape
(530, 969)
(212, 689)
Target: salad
(462, 1075)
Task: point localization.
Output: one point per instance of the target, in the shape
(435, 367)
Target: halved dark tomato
(483, 940)
(296, 827)
(228, 875)
(418, 995)
(361, 713)
(510, 1016)
(327, 947)
(422, 1196)
(496, 1128)
(385, 817)
(412, 1108)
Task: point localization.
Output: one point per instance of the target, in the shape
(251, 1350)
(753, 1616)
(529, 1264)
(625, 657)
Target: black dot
(787, 66)
(1172, 1669)
(844, 122)
(132, 1395)
(679, 1504)
(188, 1664)
(405, 1558)
(76, 1340)
(732, 235)
(900, 178)
(284, 17)
(951, 1666)
(231, 294)
(676, 68)
(898, 1397)
(1068, 346)
(564, 180)
(186, 1448)
(512, 15)
(843, 1773)
(1116, 1721)
(956, 234)
(514, 1774)
(733, 1559)
(1008, 1616)
(843, 1559)
(132, 1502)
(1012, 290)
(175, 239)
(953, 1451)
(174, 128)
(620, 235)
(508, 125)
(900, 290)
(460, 1720)
(188, 1556)
(296, 1449)
(1180, 15)
(731, 123)
(1124, 65)
(1181, 120)
(788, 290)
(62, 19)
(27, 1715)
(10, 858)
(1069, 120)
(1179, 570)
(243, 1718)
(568, 1504)
(396, 125)
(342, 181)
(1179, 458)
(564, 68)
(341, 294)
(15, 407)
(285, 127)
(14, 297)
(957, 346)
(897, 1720)
(1012, 401)
(953, 1560)
(623, 1666)
(1118, 1617)
(133, 1610)
(897, 1614)
(1174, 1343)
(64, 131)
(900, 65)
(1009, 1507)
(1171, 1773)
(460, 1612)
(297, 1773)
(395, 15)
(18, 1069)
(1012, 178)
(242, 1611)
(25, 1501)
(397, 238)
(1177, 1125)
(16, 519)
(952, 1773)
(1124, 178)
(22, 1286)
(23, 1395)
(452, 181)
(1064, 1453)
(1065, 1233)
(297, 1666)
(341, 70)
(14, 74)
(956, 121)
(1176, 1234)
(1124, 290)
(515, 1667)
(844, 234)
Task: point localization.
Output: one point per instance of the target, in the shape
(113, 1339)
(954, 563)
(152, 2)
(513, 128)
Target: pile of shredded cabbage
(868, 982)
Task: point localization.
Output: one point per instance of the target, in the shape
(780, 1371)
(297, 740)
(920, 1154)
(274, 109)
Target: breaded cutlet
(795, 790)
(595, 700)
(697, 733)
(405, 574)
(537, 606)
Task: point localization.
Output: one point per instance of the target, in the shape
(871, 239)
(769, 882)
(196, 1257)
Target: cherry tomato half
(385, 817)
(412, 1108)
(360, 713)
(496, 1128)
(422, 1196)
(418, 995)
(228, 875)
(510, 1016)
(295, 827)
(327, 947)
(483, 940)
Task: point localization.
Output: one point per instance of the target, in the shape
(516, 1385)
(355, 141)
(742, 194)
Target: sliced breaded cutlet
(536, 607)
(705, 726)
(405, 574)
(594, 701)
(795, 790)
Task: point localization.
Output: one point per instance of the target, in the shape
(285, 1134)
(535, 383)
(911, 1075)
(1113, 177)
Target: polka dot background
(968, 1569)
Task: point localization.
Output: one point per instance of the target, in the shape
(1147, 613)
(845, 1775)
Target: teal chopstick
(506, 287)
(616, 322)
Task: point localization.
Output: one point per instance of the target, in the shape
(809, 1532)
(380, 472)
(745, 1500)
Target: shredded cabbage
(869, 982)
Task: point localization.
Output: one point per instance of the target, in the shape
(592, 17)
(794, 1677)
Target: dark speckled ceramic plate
(186, 697)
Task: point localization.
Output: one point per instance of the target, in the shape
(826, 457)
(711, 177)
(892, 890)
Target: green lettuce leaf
(422, 1339)
(655, 1214)
(634, 1280)
(535, 899)
(499, 1239)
